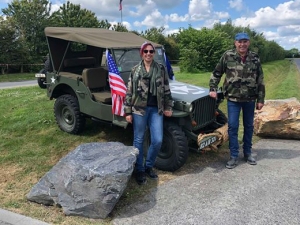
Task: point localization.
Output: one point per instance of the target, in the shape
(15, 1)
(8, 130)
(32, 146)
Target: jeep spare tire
(174, 150)
(67, 114)
(41, 80)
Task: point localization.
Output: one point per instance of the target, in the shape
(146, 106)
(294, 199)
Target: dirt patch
(8, 173)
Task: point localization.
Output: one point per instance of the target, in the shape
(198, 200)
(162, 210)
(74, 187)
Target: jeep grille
(204, 111)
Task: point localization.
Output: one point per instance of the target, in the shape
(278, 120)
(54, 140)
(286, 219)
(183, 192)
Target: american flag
(120, 5)
(117, 86)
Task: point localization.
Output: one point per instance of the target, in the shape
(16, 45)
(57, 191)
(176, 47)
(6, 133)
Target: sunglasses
(150, 51)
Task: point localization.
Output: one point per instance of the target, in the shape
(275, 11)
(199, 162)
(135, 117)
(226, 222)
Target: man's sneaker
(140, 177)
(232, 163)
(250, 159)
(151, 173)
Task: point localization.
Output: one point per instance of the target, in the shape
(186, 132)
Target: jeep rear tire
(174, 149)
(67, 114)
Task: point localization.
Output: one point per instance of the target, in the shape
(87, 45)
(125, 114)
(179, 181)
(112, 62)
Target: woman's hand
(168, 113)
(129, 118)
(213, 94)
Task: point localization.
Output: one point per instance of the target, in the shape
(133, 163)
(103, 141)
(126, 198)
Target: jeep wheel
(67, 114)
(174, 149)
(41, 80)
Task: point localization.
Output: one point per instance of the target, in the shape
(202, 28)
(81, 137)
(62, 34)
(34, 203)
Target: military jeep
(79, 84)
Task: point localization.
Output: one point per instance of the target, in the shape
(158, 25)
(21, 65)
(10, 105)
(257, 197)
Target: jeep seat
(96, 80)
(76, 65)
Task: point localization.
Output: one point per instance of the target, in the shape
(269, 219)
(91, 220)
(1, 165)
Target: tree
(71, 15)
(119, 27)
(12, 47)
(292, 53)
(200, 50)
(29, 18)
(172, 48)
(155, 34)
(267, 51)
(104, 24)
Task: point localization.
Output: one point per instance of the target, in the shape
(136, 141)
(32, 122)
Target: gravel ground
(267, 193)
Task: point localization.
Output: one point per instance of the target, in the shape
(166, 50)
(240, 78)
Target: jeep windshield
(127, 58)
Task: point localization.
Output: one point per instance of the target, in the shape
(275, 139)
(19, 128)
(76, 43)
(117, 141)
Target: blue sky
(278, 20)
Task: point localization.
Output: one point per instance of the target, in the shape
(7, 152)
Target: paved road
(267, 193)
(4, 85)
(297, 62)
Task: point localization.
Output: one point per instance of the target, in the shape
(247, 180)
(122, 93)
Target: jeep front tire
(67, 114)
(174, 150)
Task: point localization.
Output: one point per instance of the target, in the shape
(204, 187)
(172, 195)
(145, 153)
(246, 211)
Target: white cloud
(283, 14)
(144, 9)
(155, 19)
(289, 30)
(176, 18)
(285, 39)
(222, 15)
(199, 9)
(236, 4)
(167, 4)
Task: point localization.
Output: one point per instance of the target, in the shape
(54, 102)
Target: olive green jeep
(79, 84)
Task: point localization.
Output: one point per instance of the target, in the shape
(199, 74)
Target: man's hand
(259, 106)
(213, 94)
(168, 113)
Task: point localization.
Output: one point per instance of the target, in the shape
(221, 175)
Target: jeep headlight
(188, 107)
(184, 106)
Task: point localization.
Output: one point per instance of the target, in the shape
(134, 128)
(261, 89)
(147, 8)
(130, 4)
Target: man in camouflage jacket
(244, 89)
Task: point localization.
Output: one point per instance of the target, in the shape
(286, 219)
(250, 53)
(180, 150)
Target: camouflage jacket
(243, 81)
(137, 92)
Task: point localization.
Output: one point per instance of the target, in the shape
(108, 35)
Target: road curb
(11, 218)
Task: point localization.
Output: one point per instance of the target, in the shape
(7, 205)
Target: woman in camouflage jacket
(147, 100)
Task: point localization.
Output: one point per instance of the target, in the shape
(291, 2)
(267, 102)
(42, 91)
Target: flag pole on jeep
(117, 86)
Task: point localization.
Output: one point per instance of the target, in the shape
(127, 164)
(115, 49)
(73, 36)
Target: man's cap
(241, 36)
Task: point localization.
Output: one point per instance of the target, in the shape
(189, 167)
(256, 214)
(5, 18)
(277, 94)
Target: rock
(88, 181)
(278, 119)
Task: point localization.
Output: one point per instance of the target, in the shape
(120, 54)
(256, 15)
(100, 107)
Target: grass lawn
(16, 77)
(31, 142)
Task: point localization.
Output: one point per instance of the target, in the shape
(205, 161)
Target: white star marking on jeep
(53, 80)
(186, 89)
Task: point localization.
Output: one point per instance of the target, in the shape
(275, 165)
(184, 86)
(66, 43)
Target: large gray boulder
(88, 181)
(278, 119)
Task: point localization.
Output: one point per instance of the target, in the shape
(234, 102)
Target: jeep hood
(186, 92)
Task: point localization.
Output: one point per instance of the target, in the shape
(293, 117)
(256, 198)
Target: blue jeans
(234, 109)
(155, 123)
